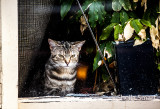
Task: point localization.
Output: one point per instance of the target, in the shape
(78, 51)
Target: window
(10, 41)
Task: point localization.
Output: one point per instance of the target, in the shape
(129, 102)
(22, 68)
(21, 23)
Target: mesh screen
(33, 17)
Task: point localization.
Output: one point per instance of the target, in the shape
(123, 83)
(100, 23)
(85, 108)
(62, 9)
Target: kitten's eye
(61, 56)
(73, 56)
(53, 56)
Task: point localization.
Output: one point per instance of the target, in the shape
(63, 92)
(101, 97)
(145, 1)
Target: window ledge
(83, 101)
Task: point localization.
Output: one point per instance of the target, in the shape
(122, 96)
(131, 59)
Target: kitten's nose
(67, 61)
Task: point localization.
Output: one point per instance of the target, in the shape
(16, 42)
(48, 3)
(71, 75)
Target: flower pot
(136, 68)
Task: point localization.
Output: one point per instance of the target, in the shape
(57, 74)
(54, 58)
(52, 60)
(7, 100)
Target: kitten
(60, 70)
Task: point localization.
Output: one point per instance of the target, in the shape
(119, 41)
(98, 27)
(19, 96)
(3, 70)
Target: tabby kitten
(60, 70)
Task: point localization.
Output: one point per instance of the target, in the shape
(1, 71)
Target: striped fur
(60, 70)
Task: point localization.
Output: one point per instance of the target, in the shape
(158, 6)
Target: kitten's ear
(79, 44)
(52, 43)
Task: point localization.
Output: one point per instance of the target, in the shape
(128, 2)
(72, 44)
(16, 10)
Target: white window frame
(9, 29)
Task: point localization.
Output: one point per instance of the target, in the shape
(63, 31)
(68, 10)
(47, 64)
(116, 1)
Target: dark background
(38, 21)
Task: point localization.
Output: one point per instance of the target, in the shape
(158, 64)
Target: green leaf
(115, 17)
(145, 22)
(126, 4)
(106, 31)
(93, 15)
(151, 15)
(116, 6)
(123, 17)
(137, 38)
(101, 12)
(96, 13)
(65, 7)
(158, 54)
(147, 15)
(136, 24)
(105, 77)
(85, 6)
(97, 58)
(159, 66)
(118, 30)
(109, 47)
(131, 14)
(134, 5)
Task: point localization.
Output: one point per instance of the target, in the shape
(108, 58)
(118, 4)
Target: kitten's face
(65, 54)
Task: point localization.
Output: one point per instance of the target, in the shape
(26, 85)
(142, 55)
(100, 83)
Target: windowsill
(83, 101)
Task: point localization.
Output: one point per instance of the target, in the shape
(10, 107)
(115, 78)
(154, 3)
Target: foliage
(65, 7)
(97, 57)
(106, 46)
(107, 31)
(130, 19)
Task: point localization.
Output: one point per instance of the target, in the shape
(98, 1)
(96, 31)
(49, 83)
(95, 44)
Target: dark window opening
(40, 20)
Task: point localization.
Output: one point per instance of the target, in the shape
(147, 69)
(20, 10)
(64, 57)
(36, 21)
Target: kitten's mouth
(66, 66)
